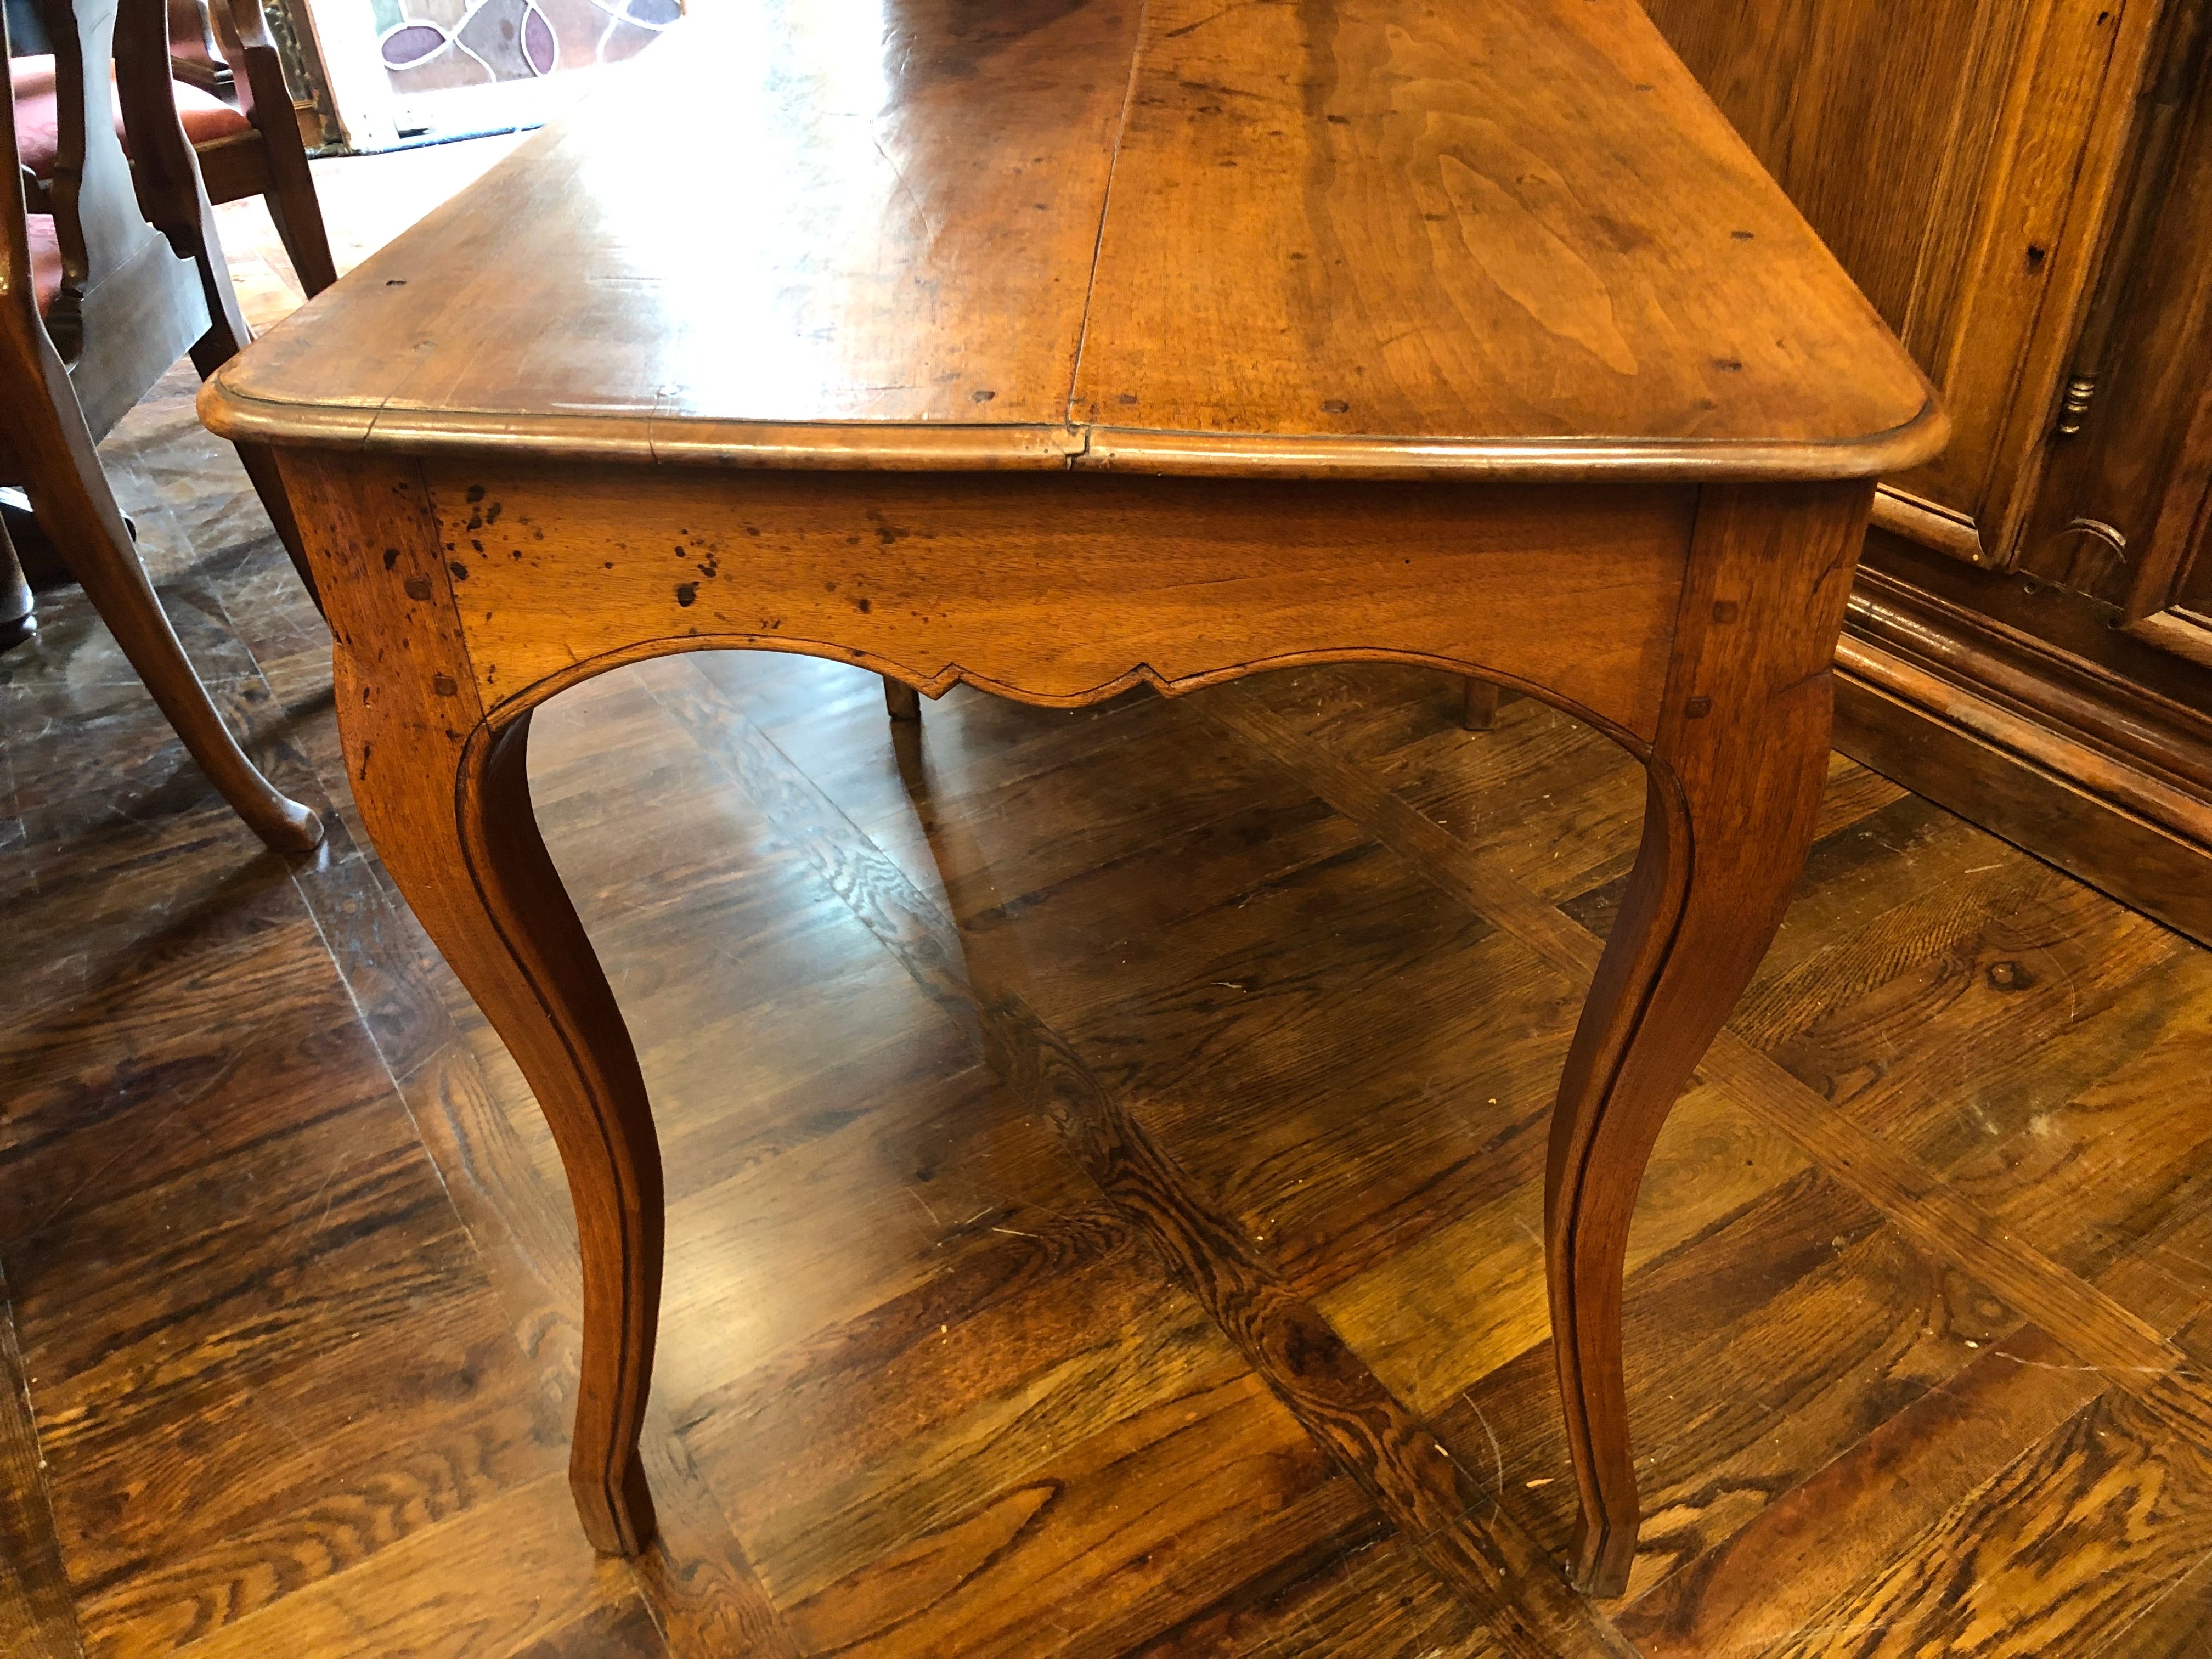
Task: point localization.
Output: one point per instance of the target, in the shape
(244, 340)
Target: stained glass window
(431, 46)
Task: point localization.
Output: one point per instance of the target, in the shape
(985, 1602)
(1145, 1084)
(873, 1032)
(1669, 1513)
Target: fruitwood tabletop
(1073, 345)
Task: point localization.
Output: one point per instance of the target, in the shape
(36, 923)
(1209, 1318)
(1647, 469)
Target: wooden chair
(270, 161)
(97, 300)
(248, 147)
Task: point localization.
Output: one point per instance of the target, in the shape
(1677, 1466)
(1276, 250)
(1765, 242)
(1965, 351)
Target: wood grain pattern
(900, 259)
(971, 1584)
(2040, 1513)
(1814, 1411)
(1450, 213)
(626, 1632)
(38, 1615)
(1775, 1575)
(1336, 1399)
(1332, 1395)
(932, 580)
(1359, 1603)
(1468, 304)
(402, 661)
(420, 1596)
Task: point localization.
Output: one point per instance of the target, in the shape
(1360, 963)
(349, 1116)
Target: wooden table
(1096, 343)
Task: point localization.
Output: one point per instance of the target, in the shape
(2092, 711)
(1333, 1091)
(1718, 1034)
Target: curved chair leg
(269, 484)
(298, 215)
(71, 494)
(228, 334)
(89, 533)
(462, 842)
(1734, 791)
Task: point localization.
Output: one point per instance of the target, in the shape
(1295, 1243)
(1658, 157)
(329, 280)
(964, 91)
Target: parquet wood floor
(1104, 1155)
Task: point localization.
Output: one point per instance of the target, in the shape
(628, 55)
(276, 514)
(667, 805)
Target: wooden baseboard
(2025, 743)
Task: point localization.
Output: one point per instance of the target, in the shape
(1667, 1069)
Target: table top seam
(1105, 210)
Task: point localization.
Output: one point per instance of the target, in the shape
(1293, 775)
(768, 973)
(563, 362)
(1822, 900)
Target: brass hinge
(2074, 403)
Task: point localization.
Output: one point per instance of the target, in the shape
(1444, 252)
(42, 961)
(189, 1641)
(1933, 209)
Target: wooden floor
(1082, 1130)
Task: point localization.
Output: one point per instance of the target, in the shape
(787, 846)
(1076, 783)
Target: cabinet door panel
(1958, 156)
(1858, 109)
(2124, 513)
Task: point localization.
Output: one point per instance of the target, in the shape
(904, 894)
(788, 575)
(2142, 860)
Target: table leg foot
(619, 1516)
(1600, 1557)
(1737, 772)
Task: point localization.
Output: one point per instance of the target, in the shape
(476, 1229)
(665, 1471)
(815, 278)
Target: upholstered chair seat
(206, 118)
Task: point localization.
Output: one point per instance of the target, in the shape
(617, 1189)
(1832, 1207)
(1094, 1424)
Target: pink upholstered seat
(206, 116)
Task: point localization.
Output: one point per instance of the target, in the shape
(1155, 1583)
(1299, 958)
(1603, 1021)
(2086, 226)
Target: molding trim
(2108, 782)
(1902, 513)
(2052, 748)
(2151, 731)
(2169, 632)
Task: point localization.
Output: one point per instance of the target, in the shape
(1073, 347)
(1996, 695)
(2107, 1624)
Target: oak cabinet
(2122, 514)
(2023, 188)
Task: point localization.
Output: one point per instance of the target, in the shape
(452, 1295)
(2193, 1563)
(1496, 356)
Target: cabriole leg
(445, 795)
(1736, 779)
